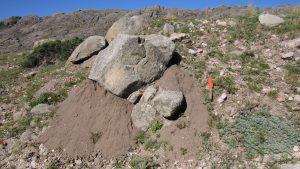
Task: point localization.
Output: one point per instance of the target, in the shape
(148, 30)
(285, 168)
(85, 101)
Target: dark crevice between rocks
(175, 60)
(180, 111)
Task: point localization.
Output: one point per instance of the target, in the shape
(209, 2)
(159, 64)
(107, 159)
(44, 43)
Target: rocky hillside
(155, 88)
(19, 33)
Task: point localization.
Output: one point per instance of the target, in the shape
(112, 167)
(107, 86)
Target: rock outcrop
(131, 61)
(89, 47)
(126, 25)
(270, 20)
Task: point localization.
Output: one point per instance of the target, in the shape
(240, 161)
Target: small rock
(199, 51)
(142, 115)
(33, 164)
(135, 97)
(42, 109)
(168, 103)
(18, 115)
(297, 90)
(290, 166)
(26, 136)
(296, 148)
(30, 74)
(178, 36)
(295, 108)
(282, 97)
(291, 43)
(297, 98)
(149, 93)
(192, 52)
(78, 162)
(221, 23)
(222, 98)
(168, 29)
(268, 90)
(287, 55)
(43, 150)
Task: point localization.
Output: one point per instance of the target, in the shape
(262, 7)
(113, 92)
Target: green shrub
(262, 133)
(143, 163)
(156, 125)
(141, 137)
(49, 98)
(50, 52)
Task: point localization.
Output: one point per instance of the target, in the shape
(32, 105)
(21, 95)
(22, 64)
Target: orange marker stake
(210, 86)
(2, 142)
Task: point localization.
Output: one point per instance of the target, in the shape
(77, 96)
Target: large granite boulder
(126, 25)
(131, 61)
(89, 47)
(270, 20)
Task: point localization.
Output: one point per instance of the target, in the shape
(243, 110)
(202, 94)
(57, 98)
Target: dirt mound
(194, 120)
(91, 120)
(91, 113)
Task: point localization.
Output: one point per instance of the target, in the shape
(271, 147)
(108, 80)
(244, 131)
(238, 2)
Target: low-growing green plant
(183, 151)
(49, 98)
(50, 52)
(273, 94)
(143, 163)
(118, 164)
(152, 144)
(293, 75)
(156, 125)
(141, 137)
(226, 83)
(262, 133)
(95, 137)
(181, 125)
(53, 165)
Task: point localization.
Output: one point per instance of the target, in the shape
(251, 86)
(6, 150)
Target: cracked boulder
(130, 62)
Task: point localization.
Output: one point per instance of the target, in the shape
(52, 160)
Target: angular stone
(89, 47)
(42, 109)
(142, 115)
(168, 103)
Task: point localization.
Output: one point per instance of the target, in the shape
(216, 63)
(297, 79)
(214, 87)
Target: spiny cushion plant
(262, 133)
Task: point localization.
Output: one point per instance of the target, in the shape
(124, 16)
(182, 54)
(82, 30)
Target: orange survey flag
(2, 142)
(210, 83)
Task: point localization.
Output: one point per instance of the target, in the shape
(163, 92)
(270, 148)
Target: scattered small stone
(222, 98)
(297, 90)
(78, 162)
(297, 98)
(296, 148)
(43, 150)
(26, 136)
(18, 115)
(287, 55)
(30, 74)
(178, 36)
(42, 109)
(282, 97)
(192, 52)
(168, 29)
(221, 23)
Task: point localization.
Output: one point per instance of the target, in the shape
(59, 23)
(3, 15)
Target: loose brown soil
(195, 117)
(90, 113)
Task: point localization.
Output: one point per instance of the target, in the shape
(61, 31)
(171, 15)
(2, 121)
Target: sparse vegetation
(183, 151)
(95, 137)
(51, 52)
(181, 125)
(143, 163)
(156, 125)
